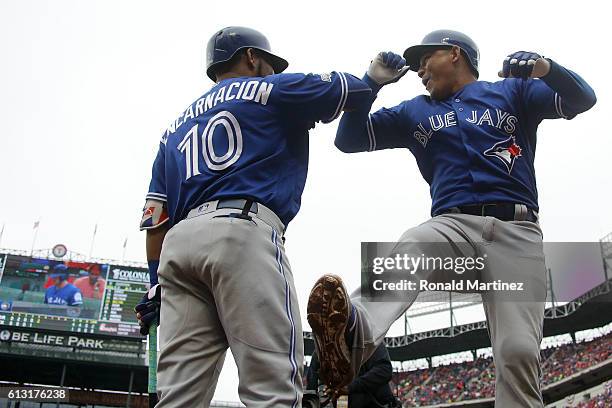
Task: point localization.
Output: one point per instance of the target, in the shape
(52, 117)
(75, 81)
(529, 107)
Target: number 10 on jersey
(189, 146)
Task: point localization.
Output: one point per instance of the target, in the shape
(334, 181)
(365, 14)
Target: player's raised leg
(349, 330)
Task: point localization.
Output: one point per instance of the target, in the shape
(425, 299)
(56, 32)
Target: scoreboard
(108, 292)
(119, 301)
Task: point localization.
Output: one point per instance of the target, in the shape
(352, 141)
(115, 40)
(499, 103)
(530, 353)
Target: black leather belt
(502, 211)
(247, 205)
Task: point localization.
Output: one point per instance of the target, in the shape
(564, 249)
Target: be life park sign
(51, 339)
(11, 335)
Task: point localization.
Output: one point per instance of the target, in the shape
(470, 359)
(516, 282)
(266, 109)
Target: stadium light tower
(606, 253)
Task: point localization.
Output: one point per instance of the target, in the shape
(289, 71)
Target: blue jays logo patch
(507, 151)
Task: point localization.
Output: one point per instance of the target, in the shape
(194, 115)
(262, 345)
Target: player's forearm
(154, 241)
(577, 96)
(352, 134)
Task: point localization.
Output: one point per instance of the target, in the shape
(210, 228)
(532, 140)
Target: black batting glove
(147, 310)
(519, 65)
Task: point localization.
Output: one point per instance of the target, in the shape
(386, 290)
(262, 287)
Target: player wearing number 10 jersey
(227, 180)
(248, 137)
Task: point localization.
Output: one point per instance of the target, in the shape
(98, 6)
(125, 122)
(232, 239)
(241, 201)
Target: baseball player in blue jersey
(226, 181)
(62, 292)
(474, 143)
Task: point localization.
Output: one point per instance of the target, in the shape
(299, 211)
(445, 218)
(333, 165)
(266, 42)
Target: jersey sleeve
(387, 128)
(560, 94)
(76, 298)
(157, 186)
(539, 100)
(319, 97)
(360, 131)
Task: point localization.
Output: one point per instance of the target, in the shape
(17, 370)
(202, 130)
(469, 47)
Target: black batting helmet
(225, 43)
(443, 39)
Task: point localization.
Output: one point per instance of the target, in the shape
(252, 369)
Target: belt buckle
(483, 209)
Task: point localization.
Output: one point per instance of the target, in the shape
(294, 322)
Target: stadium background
(101, 359)
(87, 87)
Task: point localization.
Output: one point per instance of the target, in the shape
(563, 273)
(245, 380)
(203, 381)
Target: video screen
(70, 295)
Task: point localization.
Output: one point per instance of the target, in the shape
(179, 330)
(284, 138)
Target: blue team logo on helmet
(507, 151)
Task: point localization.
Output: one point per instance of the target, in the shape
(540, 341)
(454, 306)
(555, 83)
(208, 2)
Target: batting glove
(524, 65)
(147, 310)
(387, 68)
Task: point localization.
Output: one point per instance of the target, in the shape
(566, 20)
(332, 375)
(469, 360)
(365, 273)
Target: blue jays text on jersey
(68, 295)
(247, 137)
(477, 146)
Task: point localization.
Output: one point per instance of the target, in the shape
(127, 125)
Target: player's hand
(147, 310)
(386, 68)
(523, 64)
(333, 394)
(326, 397)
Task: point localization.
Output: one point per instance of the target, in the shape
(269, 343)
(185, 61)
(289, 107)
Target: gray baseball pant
(514, 253)
(226, 282)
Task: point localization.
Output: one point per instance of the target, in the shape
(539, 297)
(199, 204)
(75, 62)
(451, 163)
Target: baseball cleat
(328, 314)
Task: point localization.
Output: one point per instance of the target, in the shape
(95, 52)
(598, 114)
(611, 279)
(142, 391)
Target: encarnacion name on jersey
(256, 91)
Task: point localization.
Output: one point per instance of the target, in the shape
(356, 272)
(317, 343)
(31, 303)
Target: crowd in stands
(476, 379)
(571, 358)
(602, 400)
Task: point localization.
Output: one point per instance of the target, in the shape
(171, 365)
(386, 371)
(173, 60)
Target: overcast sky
(87, 87)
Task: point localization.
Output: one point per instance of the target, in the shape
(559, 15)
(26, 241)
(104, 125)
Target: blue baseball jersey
(247, 137)
(477, 146)
(69, 295)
